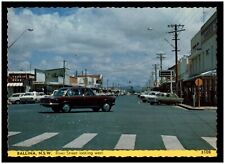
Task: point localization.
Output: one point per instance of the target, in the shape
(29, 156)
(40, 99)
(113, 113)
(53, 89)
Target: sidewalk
(198, 108)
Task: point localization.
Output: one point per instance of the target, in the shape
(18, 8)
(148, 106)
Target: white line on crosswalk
(172, 143)
(35, 140)
(13, 133)
(126, 141)
(211, 141)
(81, 140)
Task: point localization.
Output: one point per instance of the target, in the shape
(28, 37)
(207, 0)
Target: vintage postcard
(96, 81)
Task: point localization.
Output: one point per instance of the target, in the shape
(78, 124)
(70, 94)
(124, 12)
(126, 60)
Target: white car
(166, 98)
(15, 98)
(145, 96)
(32, 97)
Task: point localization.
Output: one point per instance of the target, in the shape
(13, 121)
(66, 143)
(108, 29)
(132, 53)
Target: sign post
(198, 83)
(168, 73)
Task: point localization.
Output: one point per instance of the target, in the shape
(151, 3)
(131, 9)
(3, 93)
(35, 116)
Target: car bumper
(49, 104)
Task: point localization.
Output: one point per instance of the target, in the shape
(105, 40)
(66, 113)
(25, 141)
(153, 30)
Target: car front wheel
(66, 108)
(17, 102)
(106, 107)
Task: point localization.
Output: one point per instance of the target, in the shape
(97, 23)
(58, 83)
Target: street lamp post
(29, 29)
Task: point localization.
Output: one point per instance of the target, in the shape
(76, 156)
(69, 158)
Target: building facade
(49, 80)
(19, 81)
(91, 81)
(203, 65)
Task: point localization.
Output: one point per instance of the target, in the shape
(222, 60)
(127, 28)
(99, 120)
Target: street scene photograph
(112, 82)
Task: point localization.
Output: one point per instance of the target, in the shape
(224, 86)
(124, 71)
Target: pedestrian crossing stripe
(81, 140)
(211, 141)
(35, 140)
(13, 133)
(172, 143)
(126, 141)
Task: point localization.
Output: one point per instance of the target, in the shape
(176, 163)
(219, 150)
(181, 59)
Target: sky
(114, 42)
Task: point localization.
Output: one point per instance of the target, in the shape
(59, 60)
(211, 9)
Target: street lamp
(29, 29)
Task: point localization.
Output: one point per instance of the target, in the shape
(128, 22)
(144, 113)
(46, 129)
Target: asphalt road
(130, 125)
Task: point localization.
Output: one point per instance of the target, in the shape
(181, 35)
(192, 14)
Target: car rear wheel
(66, 108)
(106, 107)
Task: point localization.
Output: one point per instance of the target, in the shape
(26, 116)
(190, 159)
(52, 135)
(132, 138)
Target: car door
(75, 97)
(91, 100)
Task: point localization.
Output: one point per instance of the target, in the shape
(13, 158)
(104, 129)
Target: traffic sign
(166, 73)
(198, 82)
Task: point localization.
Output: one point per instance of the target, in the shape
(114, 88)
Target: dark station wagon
(77, 97)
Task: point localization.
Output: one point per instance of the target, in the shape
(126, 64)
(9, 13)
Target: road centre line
(35, 140)
(126, 141)
(172, 143)
(13, 133)
(81, 140)
(211, 141)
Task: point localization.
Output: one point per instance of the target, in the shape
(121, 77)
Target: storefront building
(49, 80)
(91, 81)
(19, 81)
(203, 65)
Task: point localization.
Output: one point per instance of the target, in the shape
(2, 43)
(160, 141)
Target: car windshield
(61, 92)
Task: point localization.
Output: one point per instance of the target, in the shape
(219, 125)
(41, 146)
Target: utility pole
(85, 83)
(153, 79)
(177, 28)
(64, 72)
(161, 57)
(203, 15)
(155, 67)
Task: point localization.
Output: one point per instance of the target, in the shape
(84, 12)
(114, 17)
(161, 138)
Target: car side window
(86, 92)
(73, 92)
(89, 92)
(76, 92)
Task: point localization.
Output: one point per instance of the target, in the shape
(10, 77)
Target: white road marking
(172, 143)
(35, 140)
(126, 141)
(81, 140)
(211, 141)
(13, 133)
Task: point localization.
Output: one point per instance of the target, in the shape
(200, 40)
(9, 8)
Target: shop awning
(204, 74)
(14, 84)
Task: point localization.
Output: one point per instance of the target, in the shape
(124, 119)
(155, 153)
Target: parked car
(165, 98)
(78, 97)
(32, 97)
(146, 95)
(15, 98)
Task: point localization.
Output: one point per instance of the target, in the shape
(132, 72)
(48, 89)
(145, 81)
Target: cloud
(111, 41)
